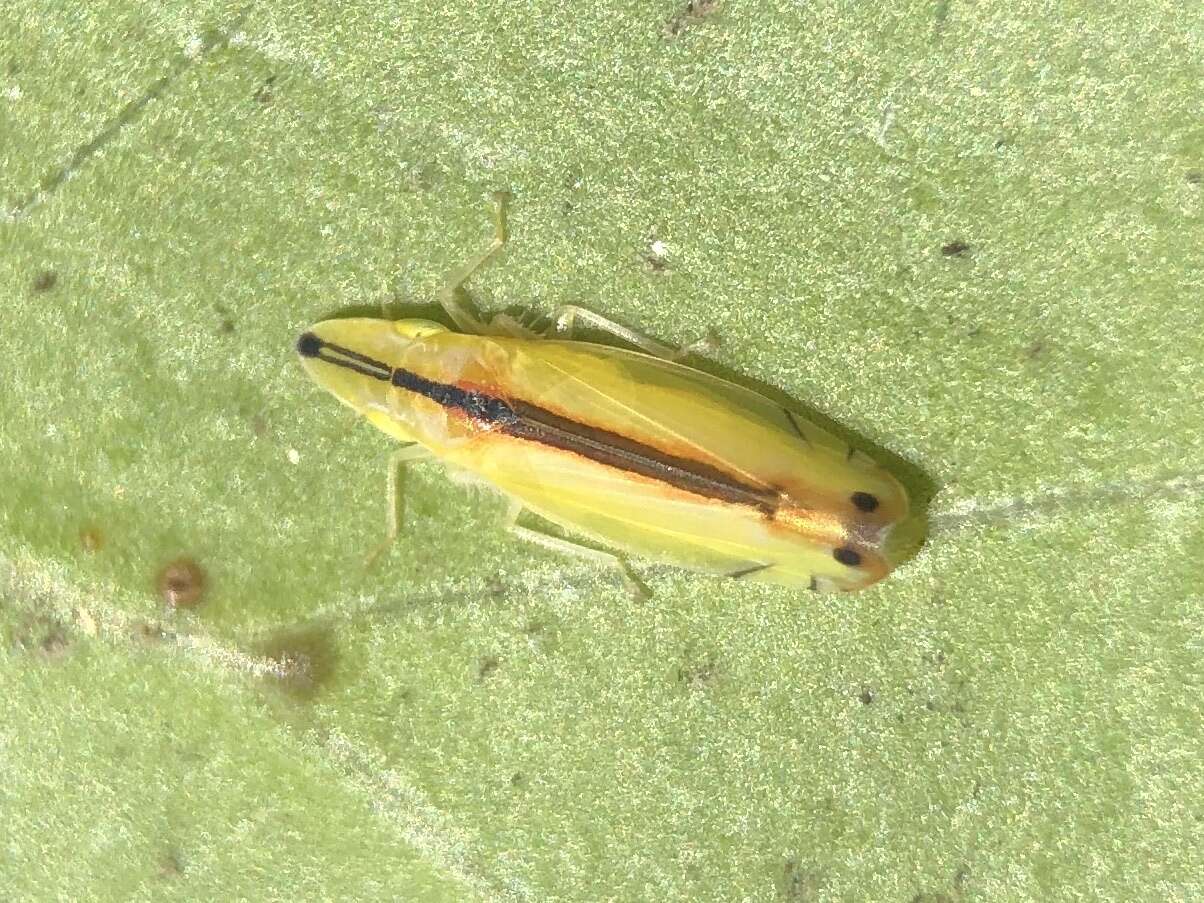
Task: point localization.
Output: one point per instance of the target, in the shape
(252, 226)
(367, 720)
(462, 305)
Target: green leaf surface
(970, 234)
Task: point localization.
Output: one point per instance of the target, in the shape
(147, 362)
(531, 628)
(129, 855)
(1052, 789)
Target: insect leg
(567, 546)
(395, 500)
(464, 319)
(565, 318)
(504, 324)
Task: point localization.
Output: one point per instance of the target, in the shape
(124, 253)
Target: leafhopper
(628, 448)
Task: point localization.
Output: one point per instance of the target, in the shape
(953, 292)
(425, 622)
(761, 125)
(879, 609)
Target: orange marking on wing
(815, 526)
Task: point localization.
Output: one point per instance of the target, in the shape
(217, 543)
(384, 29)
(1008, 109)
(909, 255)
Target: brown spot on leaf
(796, 884)
(54, 643)
(699, 674)
(91, 540)
(147, 633)
(302, 658)
(487, 665)
(170, 865)
(42, 635)
(181, 583)
(656, 263)
(263, 94)
(690, 15)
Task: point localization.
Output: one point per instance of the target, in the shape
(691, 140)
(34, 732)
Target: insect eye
(850, 557)
(864, 501)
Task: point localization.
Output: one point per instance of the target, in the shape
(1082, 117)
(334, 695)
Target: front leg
(394, 498)
(448, 298)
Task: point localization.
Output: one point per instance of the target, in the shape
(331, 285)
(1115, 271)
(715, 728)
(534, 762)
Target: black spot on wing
(847, 556)
(864, 501)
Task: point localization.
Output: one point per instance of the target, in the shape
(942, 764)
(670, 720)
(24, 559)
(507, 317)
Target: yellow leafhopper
(630, 448)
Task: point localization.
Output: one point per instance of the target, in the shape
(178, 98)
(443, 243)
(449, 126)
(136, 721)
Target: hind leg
(565, 318)
(568, 547)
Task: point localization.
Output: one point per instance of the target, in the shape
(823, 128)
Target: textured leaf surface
(971, 235)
